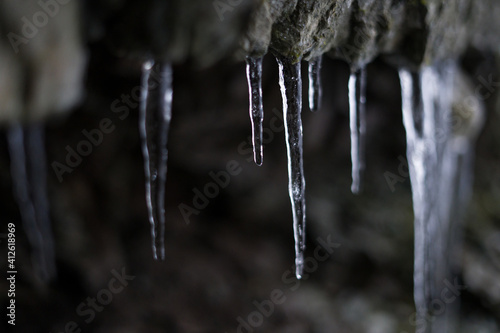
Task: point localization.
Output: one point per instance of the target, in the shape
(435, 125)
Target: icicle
(291, 92)
(315, 90)
(413, 116)
(154, 122)
(254, 78)
(357, 103)
(28, 169)
(440, 171)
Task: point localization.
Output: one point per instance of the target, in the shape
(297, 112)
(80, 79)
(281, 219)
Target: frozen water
(254, 78)
(291, 92)
(154, 123)
(315, 90)
(357, 120)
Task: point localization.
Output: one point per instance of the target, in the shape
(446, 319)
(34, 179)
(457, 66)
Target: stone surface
(47, 72)
(411, 32)
(42, 59)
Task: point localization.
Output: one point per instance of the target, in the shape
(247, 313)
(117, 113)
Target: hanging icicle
(440, 164)
(29, 182)
(154, 123)
(414, 116)
(256, 110)
(315, 90)
(357, 114)
(291, 92)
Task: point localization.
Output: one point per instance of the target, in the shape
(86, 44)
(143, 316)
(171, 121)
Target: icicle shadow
(357, 121)
(291, 92)
(29, 182)
(315, 89)
(254, 78)
(440, 164)
(154, 123)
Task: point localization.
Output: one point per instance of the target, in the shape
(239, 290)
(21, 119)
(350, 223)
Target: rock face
(42, 59)
(353, 30)
(411, 32)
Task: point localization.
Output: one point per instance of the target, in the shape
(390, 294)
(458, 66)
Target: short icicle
(315, 90)
(29, 182)
(439, 166)
(357, 121)
(256, 110)
(154, 123)
(291, 92)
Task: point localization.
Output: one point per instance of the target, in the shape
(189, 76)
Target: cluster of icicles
(440, 168)
(290, 81)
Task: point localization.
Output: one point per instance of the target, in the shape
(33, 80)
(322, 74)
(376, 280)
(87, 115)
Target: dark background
(240, 247)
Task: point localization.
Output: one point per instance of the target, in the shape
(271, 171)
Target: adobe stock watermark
(223, 6)
(485, 88)
(87, 309)
(221, 179)
(32, 25)
(448, 295)
(266, 308)
(121, 108)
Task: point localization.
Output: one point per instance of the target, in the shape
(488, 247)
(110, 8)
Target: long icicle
(154, 123)
(291, 92)
(256, 110)
(315, 89)
(28, 169)
(426, 102)
(357, 120)
(413, 115)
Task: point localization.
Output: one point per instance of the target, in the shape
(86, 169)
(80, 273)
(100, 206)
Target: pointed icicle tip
(357, 121)
(291, 92)
(299, 266)
(154, 123)
(256, 110)
(315, 89)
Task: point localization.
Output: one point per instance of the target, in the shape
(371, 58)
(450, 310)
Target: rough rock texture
(354, 30)
(47, 71)
(358, 31)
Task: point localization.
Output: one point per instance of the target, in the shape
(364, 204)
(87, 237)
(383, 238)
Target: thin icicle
(357, 115)
(154, 123)
(256, 110)
(438, 173)
(315, 90)
(291, 92)
(28, 169)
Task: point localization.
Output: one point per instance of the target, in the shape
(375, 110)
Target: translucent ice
(154, 123)
(254, 78)
(291, 91)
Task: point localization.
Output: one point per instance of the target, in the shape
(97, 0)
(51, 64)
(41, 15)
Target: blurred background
(224, 267)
